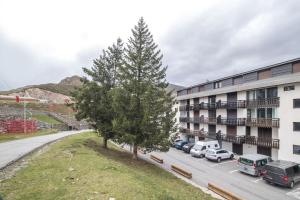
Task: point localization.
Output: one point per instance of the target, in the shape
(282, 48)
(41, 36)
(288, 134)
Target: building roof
(247, 72)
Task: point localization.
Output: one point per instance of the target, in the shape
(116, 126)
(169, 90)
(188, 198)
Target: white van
(200, 147)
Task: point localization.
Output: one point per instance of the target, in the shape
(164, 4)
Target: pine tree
(93, 101)
(143, 107)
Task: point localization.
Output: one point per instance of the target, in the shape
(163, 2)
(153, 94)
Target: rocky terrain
(58, 93)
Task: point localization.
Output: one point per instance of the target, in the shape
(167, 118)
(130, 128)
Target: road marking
(236, 170)
(256, 181)
(294, 193)
(221, 163)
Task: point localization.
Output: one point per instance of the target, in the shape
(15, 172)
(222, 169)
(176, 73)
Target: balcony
(232, 121)
(236, 139)
(231, 104)
(264, 142)
(263, 103)
(184, 108)
(199, 133)
(263, 122)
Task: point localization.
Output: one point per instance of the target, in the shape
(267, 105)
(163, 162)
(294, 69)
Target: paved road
(14, 150)
(225, 175)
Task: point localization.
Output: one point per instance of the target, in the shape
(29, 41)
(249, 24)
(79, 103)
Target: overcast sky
(44, 41)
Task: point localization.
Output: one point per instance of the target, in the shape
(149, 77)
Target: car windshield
(246, 161)
(275, 170)
(210, 152)
(197, 147)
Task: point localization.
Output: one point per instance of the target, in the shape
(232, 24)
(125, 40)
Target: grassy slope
(97, 174)
(11, 136)
(46, 118)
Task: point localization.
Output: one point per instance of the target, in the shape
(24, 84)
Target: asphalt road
(226, 176)
(16, 149)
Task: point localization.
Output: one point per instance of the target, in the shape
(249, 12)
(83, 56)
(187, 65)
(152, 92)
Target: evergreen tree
(93, 101)
(144, 116)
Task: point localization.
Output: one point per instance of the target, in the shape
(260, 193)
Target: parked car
(199, 149)
(187, 147)
(180, 144)
(253, 164)
(283, 173)
(218, 154)
(175, 141)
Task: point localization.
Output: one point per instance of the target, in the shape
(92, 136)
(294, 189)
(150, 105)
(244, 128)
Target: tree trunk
(105, 142)
(134, 156)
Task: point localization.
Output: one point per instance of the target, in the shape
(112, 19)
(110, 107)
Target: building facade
(252, 112)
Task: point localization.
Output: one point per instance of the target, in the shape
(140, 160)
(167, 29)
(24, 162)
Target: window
(272, 92)
(217, 85)
(296, 126)
(216, 145)
(296, 149)
(288, 88)
(296, 103)
(251, 95)
(260, 94)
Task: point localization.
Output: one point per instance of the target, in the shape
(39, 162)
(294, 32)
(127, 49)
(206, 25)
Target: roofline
(243, 73)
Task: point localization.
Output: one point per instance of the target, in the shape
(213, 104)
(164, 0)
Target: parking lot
(226, 176)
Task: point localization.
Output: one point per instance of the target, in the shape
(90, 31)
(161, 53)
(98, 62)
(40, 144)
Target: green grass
(79, 168)
(46, 118)
(15, 136)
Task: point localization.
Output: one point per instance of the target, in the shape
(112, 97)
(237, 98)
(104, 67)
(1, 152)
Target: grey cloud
(19, 66)
(209, 46)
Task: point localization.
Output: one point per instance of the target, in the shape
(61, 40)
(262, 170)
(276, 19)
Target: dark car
(187, 147)
(283, 173)
(180, 144)
(173, 143)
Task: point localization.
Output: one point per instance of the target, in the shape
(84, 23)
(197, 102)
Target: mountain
(65, 86)
(58, 92)
(174, 88)
(51, 92)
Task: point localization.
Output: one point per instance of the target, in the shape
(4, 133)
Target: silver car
(218, 154)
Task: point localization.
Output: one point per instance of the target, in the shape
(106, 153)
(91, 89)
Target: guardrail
(181, 171)
(222, 192)
(157, 159)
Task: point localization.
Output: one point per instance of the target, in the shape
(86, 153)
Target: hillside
(58, 92)
(65, 87)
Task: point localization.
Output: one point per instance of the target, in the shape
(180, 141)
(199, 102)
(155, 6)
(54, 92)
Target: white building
(252, 112)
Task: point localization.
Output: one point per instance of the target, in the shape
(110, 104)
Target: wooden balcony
(232, 121)
(184, 108)
(264, 142)
(231, 104)
(263, 103)
(263, 122)
(236, 139)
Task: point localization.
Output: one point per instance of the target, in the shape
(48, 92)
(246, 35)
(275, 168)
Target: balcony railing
(264, 142)
(262, 103)
(184, 108)
(232, 121)
(231, 138)
(237, 139)
(263, 122)
(231, 104)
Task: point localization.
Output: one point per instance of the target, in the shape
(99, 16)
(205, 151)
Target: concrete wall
(249, 149)
(227, 145)
(288, 115)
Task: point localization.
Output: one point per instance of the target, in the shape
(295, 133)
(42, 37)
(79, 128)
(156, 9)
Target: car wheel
(231, 156)
(201, 155)
(219, 160)
(291, 185)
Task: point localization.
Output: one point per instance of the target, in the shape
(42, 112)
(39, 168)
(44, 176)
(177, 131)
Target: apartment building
(253, 112)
